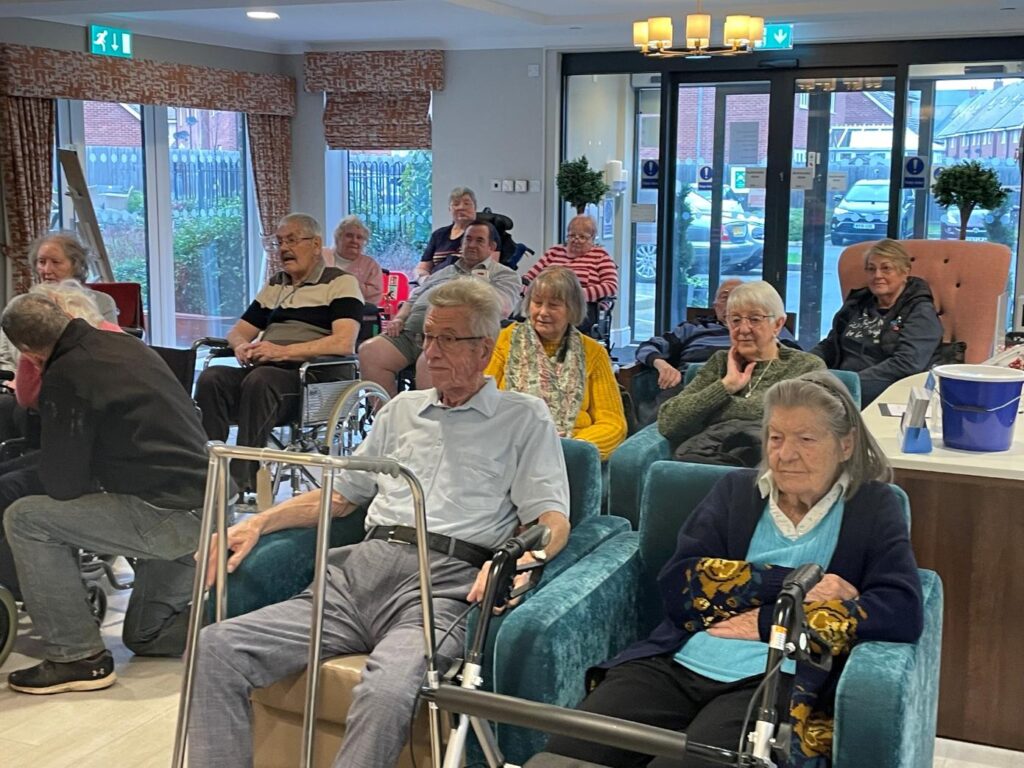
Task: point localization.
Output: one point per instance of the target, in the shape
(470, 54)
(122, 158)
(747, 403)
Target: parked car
(742, 239)
(977, 224)
(863, 213)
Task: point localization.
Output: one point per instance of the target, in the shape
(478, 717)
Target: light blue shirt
(486, 466)
(728, 660)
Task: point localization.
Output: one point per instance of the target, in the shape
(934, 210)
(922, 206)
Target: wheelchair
(334, 414)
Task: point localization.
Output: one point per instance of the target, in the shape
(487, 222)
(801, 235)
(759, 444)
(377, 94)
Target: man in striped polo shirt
(593, 266)
(305, 311)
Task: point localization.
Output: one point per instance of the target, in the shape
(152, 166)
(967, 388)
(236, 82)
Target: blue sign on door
(704, 178)
(914, 173)
(649, 174)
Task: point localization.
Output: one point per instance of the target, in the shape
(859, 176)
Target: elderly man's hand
(476, 593)
(394, 327)
(242, 537)
(243, 353)
(668, 376)
(742, 626)
(268, 352)
(832, 587)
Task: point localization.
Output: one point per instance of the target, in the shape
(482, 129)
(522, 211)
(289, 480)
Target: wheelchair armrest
(6, 375)
(211, 341)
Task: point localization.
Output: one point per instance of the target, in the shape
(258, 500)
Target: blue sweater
(873, 553)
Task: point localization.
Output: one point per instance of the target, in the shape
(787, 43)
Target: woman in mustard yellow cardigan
(548, 357)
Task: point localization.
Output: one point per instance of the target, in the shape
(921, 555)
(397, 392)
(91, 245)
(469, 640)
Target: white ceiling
(478, 24)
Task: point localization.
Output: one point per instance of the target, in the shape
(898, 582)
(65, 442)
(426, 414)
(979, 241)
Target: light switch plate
(495, 185)
(508, 185)
(522, 185)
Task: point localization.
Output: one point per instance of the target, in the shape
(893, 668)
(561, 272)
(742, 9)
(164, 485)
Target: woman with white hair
(350, 238)
(714, 419)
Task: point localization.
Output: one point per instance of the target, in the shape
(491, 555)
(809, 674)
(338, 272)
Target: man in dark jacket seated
(123, 465)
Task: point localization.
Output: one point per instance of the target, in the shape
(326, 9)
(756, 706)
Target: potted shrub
(968, 185)
(579, 184)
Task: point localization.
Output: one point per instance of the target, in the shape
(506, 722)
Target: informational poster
(756, 177)
(643, 213)
(743, 143)
(802, 178)
(704, 177)
(915, 172)
(649, 174)
(837, 181)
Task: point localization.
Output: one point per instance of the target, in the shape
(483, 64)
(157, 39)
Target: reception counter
(968, 525)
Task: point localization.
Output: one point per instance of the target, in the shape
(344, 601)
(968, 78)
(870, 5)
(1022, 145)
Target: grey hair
(828, 396)
(33, 323)
(460, 192)
(892, 250)
(351, 222)
(757, 294)
(73, 298)
(588, 220)
(475, 295)
(72, 247)
(308, 224)
(561, 284)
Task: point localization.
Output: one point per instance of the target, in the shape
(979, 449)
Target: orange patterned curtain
(376, 99)
(26, 155)
(270, 146)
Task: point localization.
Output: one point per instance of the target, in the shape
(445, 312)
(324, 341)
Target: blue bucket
(979, 405)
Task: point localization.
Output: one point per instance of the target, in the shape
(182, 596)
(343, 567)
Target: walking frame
(790, 638)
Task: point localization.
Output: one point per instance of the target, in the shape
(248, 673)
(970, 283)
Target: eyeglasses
(290, 242)
(584, 236)
(445, 341)
(882, 269)
(754, 321)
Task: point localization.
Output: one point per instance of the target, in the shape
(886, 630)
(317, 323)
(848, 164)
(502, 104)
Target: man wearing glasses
(383, 357)
(490, 462)
(593, 266)
(305, 311)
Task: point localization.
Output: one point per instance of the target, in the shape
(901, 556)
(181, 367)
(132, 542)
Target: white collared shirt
(766, 485)
(486, 466)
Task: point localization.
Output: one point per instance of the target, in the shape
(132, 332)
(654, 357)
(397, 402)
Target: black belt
(462, 550)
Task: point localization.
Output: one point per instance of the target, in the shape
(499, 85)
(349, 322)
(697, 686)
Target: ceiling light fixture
(739, 35)
(263, 15)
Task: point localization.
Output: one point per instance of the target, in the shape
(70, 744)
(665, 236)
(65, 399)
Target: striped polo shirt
(292, 314)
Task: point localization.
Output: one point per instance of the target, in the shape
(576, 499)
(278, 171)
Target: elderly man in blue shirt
(490, 463)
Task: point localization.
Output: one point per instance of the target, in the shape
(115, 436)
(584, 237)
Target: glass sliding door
(839, 188)
(721, 149)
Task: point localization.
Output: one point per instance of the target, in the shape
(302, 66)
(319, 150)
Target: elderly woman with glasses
(548, 357)
(715, 419)
(821, 496)
(888, 330)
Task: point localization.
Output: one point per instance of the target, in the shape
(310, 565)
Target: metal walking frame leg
(215, 510)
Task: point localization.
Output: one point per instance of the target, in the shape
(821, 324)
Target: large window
(391, 191)
(171, 191)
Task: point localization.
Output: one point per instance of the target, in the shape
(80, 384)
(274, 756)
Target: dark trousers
(257, 399)
(18, 478)
(658, 691)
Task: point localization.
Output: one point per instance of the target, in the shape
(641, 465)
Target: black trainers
(90, 674)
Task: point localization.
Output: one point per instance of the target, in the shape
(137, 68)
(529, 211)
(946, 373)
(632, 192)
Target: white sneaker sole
(69, 686)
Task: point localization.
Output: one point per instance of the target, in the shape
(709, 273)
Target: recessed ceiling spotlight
(263, 15)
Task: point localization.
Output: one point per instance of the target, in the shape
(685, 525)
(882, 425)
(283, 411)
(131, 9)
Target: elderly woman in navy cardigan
(820, 497)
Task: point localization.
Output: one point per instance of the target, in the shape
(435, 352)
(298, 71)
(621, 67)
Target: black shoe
(90, 674)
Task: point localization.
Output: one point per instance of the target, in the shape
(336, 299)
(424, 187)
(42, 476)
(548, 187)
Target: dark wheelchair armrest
(6, 375)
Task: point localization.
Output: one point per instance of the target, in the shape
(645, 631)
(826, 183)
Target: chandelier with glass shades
(740, 34)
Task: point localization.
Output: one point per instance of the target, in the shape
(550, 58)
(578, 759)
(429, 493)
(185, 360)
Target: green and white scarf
(557, 380)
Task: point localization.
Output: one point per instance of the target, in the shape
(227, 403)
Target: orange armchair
(966, 278)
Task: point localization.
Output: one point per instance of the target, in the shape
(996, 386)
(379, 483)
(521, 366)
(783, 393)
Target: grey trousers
(372, 606)
(44, 534)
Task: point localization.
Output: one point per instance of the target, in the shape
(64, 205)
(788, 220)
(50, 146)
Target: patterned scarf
(558, 380)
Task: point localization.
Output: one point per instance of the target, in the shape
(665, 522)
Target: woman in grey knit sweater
(731, 385)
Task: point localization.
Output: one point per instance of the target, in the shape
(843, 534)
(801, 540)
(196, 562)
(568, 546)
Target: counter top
(1008, 465)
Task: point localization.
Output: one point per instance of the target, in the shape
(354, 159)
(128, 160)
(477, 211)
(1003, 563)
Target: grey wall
(489, 123)
(48, 34)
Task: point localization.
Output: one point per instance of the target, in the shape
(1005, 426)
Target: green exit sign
(777, 37)
(110, 41)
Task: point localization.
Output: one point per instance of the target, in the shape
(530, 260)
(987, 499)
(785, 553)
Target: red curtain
(26, 154)
(270, 146)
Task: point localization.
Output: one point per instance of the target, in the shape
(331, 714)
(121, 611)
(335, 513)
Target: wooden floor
(132, 723)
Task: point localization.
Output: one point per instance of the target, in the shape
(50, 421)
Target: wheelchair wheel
(8, 623)
(353, 415)
(97, 601)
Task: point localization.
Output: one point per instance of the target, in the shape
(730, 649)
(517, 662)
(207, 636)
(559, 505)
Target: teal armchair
(629, 463)
(887, 697)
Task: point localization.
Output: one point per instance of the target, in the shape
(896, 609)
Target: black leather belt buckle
(391, 536)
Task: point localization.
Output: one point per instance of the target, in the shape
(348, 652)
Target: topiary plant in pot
(579, 184)
(968, 185)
